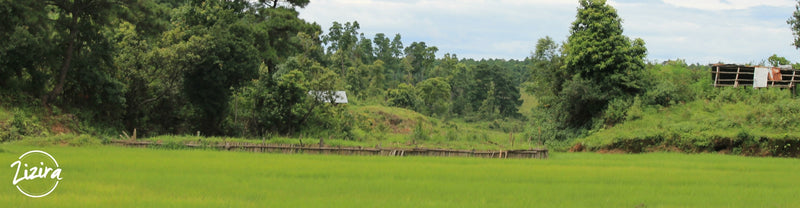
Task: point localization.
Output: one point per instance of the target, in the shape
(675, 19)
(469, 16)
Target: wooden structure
(732, 75)
(314, 149)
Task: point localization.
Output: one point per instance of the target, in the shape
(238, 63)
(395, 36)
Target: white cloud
(705, 37)
(716, 5)
(708, 31)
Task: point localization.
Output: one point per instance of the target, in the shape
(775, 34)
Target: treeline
(599, 79)
(230, 67)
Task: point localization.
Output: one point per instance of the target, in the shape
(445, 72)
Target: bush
(420, 133)
(22, 124)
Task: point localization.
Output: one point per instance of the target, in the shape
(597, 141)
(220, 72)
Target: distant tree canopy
(776, 60)
(231, 67)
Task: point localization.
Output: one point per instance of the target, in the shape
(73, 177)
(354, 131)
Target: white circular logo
(37, 173)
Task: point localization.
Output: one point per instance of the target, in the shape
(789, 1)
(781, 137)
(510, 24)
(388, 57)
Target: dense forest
(247, 69)
(238, 67)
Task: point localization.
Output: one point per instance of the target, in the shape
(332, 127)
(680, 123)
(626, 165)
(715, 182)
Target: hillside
(731, 120)
(372, 125)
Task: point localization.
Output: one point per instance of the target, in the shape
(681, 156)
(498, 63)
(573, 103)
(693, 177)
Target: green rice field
(109, 176)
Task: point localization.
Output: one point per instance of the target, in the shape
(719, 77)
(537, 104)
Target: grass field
(110, 176)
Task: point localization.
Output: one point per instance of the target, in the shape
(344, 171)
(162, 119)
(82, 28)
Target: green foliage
(735, 120)
(604, 64)
(24, 45)
(776, 60)
(405, 96)
(21, 124)
(225, 56)
(496, 85)
(342, 41)
(298, 96)
(420, 133)
(421, 58)
(434, 94)
(593, 79)
(794, 24)
(674, 83)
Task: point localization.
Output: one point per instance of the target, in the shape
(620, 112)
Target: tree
(462, 83)
(220, 39)
(78, 23)
(277, 30)
(396, 66)
(377, 78)
(794, 24)
(434, 94)
(546, 74)
(497, 82)
(421, 58)
(364, 51)
(342, 41)
(404, 96)
(445, 67)
(383, 48)
(603, 64)
(776, 60)
(26, 46)
(281, 102)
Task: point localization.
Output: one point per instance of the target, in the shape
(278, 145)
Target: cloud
(469, 28)
(736, 31)
(743, 36)
(716, 5)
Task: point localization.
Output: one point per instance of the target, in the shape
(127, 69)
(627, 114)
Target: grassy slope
(763, 123)
(383, 126)
(396, 127)
(372, 125)
(132, 177)
(528, 102)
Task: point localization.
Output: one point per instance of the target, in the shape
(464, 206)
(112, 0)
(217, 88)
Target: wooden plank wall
(729, 75)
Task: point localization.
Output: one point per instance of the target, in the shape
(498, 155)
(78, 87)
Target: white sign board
(760, 77)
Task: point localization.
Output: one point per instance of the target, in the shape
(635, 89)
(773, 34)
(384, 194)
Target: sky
(698, 31)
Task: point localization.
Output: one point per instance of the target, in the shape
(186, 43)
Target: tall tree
(497, 82)
(26, 45)
(365, 50)
(461, 83)
(433, 93)
(342, 41)
(794, 24)
(421, 58)
(219, 38)
(78, 22)
(546, 73)
(277, 39)
(603, 64)
(383, 48)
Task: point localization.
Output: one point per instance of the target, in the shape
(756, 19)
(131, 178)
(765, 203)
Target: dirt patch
(611, 151)
(577, 148)
(61, 124)
(397, 124)
(663, 148)
(59, 128)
